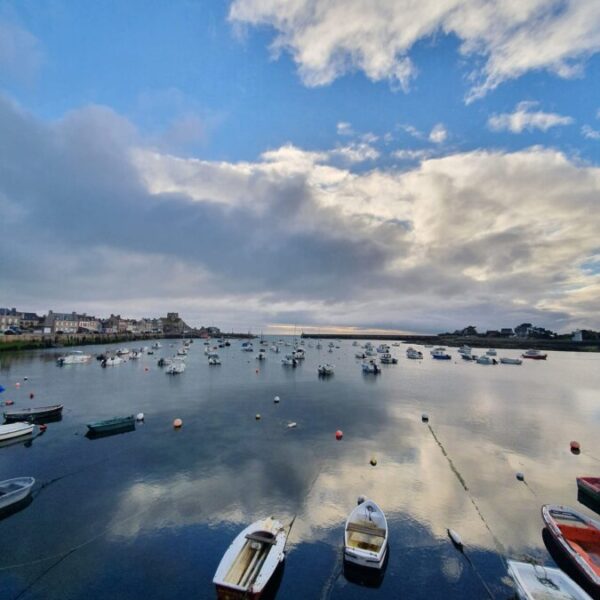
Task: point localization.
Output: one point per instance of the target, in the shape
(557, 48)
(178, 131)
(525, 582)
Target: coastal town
(14, 322)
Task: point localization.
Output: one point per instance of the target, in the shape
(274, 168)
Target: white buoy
(276, 399)
(520, 476)
(425, 417)
(456, 539)
(139, 417)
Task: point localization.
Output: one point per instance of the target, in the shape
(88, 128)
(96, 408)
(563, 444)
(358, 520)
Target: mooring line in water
(499, 547)
(331, 580)
(476, 571)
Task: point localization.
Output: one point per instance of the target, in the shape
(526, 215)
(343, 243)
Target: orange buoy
(177, 423)
(339, 434)
(575, 447)
(43, 427)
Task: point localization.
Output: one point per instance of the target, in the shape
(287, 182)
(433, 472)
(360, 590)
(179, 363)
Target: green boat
(112, 425)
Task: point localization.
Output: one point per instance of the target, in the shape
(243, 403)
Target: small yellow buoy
(373, 461)
(177, 423)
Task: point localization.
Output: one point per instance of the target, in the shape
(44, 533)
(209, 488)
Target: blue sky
(202, 80)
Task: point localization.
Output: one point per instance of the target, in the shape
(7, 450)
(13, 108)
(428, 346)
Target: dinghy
(110, 425)
(578, 536)
(32, 414)
(535, 582)
(325, 370)
(14, 430)
(251, 560)
(511, 361)
(15, 490)
(370, 367)
(366, 535)
(590, 486)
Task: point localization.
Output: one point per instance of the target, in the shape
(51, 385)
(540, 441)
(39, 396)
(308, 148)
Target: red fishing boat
(590, 486)
(578, 536)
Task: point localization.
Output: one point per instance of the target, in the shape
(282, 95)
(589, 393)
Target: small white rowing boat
(251, 560)
(535, 582)
(366, 535)
(15, 490)
(13, 430)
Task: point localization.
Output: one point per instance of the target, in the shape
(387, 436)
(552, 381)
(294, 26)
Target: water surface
(148, 514)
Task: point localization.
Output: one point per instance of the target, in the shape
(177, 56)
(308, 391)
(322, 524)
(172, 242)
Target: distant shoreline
(513, 343)
(30, 341)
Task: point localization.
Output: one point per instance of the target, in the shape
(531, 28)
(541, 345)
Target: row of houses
(14, 321)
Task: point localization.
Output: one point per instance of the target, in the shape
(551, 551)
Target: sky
(260, 164)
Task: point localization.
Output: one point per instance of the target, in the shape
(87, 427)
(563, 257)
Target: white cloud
(524, 117)
(497, 237)
(589, 133)
(328, 38)
(407, 154)
(438, 134)
(20, 53)
(344, 128)
(356, 152)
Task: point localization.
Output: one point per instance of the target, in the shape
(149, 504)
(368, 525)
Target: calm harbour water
(151, 512)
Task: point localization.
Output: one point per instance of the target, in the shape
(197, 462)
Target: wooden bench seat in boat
(367, 529)
(262, 538)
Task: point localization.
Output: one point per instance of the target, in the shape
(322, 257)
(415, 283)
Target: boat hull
(580, 545)
(7, 433)
(111, 425)
(365, 562)
(15, 490)
(33, 414)
(589, 486)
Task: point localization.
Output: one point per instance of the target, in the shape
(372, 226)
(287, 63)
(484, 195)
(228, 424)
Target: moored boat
(486, 360)
(14, 490)
(414, 354)
(111, 361)
(14, 430)
(578, 536)
(250, 561)
(76, 357)
(213, 359)
(388, 359)
(325, 370)
(370, 366)
(440, 354)
(511, 361)
(491, 352)
(176, 367)
(366, 535)
(534, 355)
(536, 582)
(31, 414)
(589, 486)
(289, 361)
(114, 424)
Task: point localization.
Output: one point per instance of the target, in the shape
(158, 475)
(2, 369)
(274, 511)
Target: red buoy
(339, 434)
(575, 447)
(43, 427)
(9, 402)
(146, 369)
